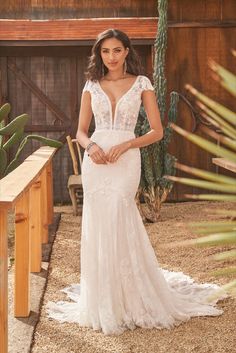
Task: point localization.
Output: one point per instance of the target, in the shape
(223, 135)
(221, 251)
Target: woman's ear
(127, 51)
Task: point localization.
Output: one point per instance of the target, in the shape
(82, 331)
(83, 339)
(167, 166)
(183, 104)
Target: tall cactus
(15, 129)
(156, 161)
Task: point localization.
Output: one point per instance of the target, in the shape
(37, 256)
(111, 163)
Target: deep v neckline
(118, 101)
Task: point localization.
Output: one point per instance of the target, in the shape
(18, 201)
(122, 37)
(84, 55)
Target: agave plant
(156, 161)
(15, 129)
(219, 232)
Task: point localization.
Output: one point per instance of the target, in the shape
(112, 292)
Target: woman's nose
(111, 55)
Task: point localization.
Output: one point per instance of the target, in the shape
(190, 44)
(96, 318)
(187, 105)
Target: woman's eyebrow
(113, 48)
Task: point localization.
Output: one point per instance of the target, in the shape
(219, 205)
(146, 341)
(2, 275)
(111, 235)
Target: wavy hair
(95, 65)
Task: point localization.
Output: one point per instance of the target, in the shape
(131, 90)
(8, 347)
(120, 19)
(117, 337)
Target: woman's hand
(116, 151)
(97, 154)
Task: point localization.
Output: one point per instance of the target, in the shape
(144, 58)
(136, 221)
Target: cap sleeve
(87, 86)
(146, 84)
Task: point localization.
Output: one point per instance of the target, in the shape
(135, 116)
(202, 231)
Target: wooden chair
(74, 181)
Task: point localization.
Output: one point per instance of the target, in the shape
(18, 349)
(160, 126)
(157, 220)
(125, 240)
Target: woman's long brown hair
(95, 66)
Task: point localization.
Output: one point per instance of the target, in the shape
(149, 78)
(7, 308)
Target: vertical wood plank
(174, 11)
(12, 97)
(4, 80)
(57, 88)
(149, 61)
(35, 226)
(37, 76)
(44, 198)
(228, 10)
(22, 257)
(73, 89)
(50, 192)
(199, 10)
(23, 94)
(3, 282)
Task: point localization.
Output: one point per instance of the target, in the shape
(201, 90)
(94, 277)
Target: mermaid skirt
(122, 285)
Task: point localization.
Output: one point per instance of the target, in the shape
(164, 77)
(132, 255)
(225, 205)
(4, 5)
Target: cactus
(156, 161)
(4, 111)
(16, 129)
(15, 125)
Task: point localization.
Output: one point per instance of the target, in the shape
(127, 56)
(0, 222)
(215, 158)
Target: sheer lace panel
(127, 107)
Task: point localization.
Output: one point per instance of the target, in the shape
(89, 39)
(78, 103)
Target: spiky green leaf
(16, 137)
(3, 161)
(205, 144)
(4, 111)
(212, 197)
(17, 124)
(46, 141)
(226, 255)
(206, 175)
(204, 184)
(228, 271)
(218, 239)
(221, 110)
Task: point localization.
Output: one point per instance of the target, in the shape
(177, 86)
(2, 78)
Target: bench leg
(44, 200)
(36, 226)
(22, 257)
(3, 282)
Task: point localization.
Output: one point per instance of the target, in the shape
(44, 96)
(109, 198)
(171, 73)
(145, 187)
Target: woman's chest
(121, 114)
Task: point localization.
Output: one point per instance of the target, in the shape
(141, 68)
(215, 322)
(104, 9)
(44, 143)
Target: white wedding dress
(122, 285)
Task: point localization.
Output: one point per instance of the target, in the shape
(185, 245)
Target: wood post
(36, 226)
(32, 200)
(44, 198)
(3, 282)
(50, 192)
(22, 257)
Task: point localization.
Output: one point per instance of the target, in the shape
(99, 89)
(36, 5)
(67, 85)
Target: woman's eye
(107, 51)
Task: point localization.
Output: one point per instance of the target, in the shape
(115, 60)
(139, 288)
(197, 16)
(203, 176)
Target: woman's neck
(115, 76)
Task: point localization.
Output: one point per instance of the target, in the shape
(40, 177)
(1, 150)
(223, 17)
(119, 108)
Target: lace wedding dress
(122, 285)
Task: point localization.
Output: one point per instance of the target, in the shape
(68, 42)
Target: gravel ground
(201, 335)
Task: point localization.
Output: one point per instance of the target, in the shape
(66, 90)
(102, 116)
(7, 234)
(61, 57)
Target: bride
(122, 285)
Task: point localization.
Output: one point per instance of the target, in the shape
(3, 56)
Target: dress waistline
(114, 131)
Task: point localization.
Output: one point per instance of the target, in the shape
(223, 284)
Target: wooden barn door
(46, 83)
(198, 30)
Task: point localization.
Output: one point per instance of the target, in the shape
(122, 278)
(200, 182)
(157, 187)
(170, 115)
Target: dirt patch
(201, 335)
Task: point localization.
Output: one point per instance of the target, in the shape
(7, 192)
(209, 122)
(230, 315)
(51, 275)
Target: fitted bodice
(126, 109)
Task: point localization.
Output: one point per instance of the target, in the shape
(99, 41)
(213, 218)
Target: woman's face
(113, 54)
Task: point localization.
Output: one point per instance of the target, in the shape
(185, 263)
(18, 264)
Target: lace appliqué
(99, 105)
(127, 108)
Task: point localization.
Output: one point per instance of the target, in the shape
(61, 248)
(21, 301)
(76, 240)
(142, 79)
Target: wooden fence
(28, 191)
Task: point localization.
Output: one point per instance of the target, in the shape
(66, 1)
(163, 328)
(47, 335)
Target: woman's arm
(153, 115)
(85, 116)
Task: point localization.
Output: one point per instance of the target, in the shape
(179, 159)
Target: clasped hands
(98, 156)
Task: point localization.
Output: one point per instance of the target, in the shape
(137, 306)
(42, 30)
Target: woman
(122, 285)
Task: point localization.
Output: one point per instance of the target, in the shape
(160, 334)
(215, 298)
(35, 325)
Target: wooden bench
(28, 191)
